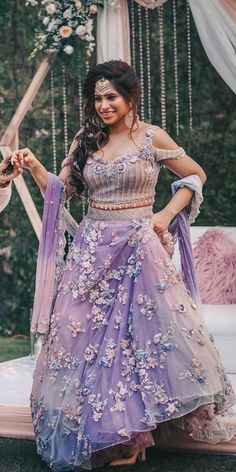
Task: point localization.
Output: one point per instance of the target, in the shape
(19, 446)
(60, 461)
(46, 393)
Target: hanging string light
(176, 68)
(149, 85)
(189, 55)
(65, 126)
(162, 67)
(132, 17)
(53, 123)
(87, 66)
(80, 100)
(79, 90)
(65, 114)
(141, 65)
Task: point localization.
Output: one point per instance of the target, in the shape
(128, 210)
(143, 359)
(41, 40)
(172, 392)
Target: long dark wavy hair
(95, 134)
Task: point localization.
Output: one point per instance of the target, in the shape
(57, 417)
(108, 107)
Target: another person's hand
(6, 178)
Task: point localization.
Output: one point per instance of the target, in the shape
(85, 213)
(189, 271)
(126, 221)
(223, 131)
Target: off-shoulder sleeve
(69, 159)
(161, 154)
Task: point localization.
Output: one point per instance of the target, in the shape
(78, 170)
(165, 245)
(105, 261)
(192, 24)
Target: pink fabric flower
(80, 30)
(78, 5)
(65, 31)
(51, 8)
(68, 49)
(93, 9)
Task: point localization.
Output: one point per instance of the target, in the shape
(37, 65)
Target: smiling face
(110, 105)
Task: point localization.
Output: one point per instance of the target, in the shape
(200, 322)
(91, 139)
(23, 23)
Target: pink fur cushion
(215, 262)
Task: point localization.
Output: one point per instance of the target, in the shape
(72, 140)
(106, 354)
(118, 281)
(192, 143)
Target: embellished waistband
(144, 202)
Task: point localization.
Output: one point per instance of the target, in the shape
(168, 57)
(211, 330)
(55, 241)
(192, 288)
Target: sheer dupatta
(180, 228)
(56, 220)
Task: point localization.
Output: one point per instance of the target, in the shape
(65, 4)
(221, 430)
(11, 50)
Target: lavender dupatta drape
(46, 262)
(180, 226)
(51, 248)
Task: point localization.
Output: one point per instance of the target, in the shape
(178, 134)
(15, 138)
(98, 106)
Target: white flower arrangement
(63, 23)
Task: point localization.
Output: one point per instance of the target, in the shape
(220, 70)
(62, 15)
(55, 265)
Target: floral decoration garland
(62, 23)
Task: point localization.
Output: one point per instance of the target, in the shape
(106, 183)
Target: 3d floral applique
(109, 353)
(118, 319)
(122, 295)
(66, 380)
(119, 397)
(169, 276)
(181, 308)
(149, 307)
(123, 432)
(128, 362)
(97, 405)
(165, 343)
(196, 373)
(75, 327)
(196, 334)
(91, 353)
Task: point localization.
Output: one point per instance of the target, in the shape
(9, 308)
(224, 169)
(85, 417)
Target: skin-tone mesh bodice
(129, 177)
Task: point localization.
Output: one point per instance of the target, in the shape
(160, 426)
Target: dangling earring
(128, 118)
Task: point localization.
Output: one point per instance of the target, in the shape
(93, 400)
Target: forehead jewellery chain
(102, 86)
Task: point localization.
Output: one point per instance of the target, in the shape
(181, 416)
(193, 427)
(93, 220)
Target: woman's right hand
(25, 158)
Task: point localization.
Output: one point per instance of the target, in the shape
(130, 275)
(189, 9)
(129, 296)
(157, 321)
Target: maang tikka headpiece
(102, 86)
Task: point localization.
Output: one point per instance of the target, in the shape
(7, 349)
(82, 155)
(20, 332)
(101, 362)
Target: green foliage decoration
(64, 26)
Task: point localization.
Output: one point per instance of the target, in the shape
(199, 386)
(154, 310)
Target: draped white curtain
(215, 21)
(216, 24)
(113, 32)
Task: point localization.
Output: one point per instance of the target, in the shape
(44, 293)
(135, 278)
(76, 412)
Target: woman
(125, 347)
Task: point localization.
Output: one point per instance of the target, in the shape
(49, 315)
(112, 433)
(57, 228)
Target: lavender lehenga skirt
(126, 351)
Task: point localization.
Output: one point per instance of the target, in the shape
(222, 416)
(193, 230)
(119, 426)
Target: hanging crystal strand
(87, 67)
(162, 67)
(65, 123)
(189, 54)
(80, 98)
(80, 95)
(142, 110)
(84, 196)
(64, 100)
(149, 86)
(132, 17)
(53, 123)
(176, 68)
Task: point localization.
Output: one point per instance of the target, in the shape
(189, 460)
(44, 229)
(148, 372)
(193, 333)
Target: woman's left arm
(183, 167)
